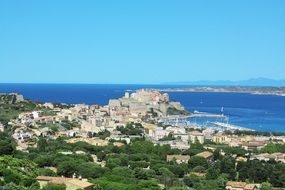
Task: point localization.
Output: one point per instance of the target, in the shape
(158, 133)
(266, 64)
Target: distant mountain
(249, 82)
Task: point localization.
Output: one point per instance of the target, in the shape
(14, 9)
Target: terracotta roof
(54, 180)
(255, 143)
(236, 184)
(250, 187)
(205, 154)
(80, 183)
(199, 174)
(63, 180)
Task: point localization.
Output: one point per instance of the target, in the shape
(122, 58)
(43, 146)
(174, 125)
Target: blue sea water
(258, 112)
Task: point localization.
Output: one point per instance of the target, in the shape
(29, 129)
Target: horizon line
(141, 84)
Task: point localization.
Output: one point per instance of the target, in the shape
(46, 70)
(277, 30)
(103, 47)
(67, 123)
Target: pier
(182, 117)
(207, 115)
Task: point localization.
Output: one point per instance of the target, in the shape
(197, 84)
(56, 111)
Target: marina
(219, 122)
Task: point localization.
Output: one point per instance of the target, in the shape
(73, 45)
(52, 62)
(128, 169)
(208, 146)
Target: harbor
(219, 122)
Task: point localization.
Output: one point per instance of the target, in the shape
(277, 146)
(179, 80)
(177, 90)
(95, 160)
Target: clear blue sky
(141, 41)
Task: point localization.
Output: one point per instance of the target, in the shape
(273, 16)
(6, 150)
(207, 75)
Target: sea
(257, 112)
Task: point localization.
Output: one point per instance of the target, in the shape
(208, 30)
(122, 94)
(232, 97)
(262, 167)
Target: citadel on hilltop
(141, 102)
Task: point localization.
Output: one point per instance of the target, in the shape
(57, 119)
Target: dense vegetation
(174, 111)
(131, 129)
(273, 148)
(18, 172)
(7, 144)
(139, 165)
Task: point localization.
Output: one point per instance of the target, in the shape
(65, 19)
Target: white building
(159, 133)
(1, 127)
(196, 136)
(35, 114)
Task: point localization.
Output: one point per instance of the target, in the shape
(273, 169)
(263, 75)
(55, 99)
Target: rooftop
(205, 154)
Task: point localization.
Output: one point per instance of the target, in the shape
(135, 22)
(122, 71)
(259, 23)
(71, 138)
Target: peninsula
(277, 91)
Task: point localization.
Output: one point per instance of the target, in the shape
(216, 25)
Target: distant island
(258, 82)
(277, 91)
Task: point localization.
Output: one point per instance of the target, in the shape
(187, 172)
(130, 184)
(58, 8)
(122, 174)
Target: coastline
(274, 91)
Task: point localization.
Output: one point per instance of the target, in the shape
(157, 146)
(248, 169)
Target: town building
(279, 157)
(196, 136)
(179, 159)
(70, 183)
(206, 154)
(234, 185)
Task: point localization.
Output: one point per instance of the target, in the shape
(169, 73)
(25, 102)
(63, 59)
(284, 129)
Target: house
(69, 133)
(70, 183)
(48, 105)
(178, 158)
(22, 136)
(196, 136)
(234, 185)
(149, 129)
(179, 145)
(199, 174)
(94, 141)
(159, 133)
(252, 187)
(279, 157)
(254, 145)
(220, 138)
(182, 136)
(76, 184)
(206, 154)
(209, 133)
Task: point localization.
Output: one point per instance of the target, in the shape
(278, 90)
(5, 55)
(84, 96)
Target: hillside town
(135, 116)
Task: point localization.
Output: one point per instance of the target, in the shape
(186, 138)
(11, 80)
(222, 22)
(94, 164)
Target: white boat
(198, 112)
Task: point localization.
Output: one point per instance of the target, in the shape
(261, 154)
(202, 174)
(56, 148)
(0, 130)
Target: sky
(142, 41)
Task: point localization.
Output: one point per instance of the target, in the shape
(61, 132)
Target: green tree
(167, 177)
(42, 144)
(217, 155)
(212, 173)
(266, 186)
(270, 148)
(12, 186)
(179, 170)
(197, 161)
(228, 167)
(191, 180)
(141, 173)
(91, 170)
(54, 187)
(7, 144)
(67, 168)
(206, 185)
